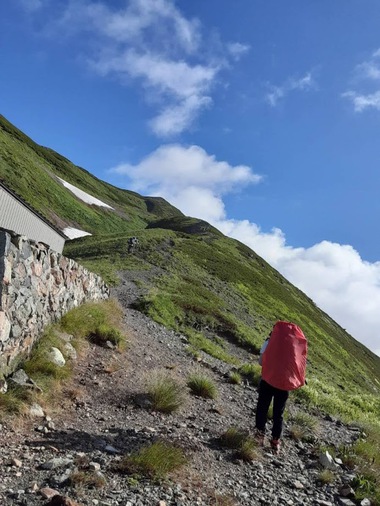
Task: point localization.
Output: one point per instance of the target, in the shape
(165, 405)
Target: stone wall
(37, 287)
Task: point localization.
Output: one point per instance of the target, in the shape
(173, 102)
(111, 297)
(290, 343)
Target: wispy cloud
(333, 275)
(277, 93)
(362, 102)
(153, 43)
(182, 89)
(366, 73)
(237, 50)
(32, 5)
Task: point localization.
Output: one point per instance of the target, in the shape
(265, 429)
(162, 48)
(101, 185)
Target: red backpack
(284, 359)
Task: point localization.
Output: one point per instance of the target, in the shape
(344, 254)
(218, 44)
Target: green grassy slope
(29, 169)
(214, 289)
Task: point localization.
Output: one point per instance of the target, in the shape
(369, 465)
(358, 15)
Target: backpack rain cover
(284, 360)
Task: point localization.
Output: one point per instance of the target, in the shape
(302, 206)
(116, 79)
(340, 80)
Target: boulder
(55, 356)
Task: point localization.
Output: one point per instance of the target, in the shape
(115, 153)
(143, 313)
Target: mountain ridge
(214, 289)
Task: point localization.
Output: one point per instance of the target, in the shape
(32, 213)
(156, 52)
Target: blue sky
(260, 116)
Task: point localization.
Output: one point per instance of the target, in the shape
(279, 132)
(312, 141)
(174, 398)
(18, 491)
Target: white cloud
(333, 275)
(152, 43)
(367, 71)
(178, 118)
(237, 50)
(276, 93)
(173, 168)
(182, 88)
(362, 102)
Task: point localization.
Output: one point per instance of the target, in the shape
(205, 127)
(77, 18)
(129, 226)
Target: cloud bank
(333, 275)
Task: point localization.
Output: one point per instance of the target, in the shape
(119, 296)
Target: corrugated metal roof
(28, 206)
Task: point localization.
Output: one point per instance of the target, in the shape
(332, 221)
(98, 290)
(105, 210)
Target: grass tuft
(87, 479)
(325, 477)
(165, 393)
(202, 385)
(235, 378)
(252, 372)
(86, 320)
(248, 451)
(154, 461)
(10, 403)
(104, 333)
(233, 438)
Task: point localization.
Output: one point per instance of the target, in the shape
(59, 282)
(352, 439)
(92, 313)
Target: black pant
(266, 394)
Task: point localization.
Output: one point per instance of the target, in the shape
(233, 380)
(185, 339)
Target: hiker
(132, 243)
(283, 360)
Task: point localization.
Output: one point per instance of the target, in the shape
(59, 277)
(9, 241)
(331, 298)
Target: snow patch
(74, 233)
(89, 199)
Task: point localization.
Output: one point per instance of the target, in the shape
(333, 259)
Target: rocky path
(104, 419)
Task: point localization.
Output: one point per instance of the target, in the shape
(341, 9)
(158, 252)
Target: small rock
(20, 377)
(3, 386)
(327, 461)
(365, 502)
(16, 463)
(346, 491)
(111, 449)
(36, 411)
(48, 493)
(344, 501)
(55, 463)
(33, 487)
(55, 356)
(70, 351)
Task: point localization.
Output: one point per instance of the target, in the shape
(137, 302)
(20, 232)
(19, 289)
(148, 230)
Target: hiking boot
(259, 437)
(275, 445)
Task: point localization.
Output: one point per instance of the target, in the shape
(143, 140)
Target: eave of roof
(28, 206)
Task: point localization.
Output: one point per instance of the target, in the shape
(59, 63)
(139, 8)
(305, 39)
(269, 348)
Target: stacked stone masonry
(37, 287)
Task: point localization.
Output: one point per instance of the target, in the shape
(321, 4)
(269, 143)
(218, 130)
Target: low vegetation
(154, 461)
(102, 319)
(96, 321)
(303, 427)
(367, 464)
(235, 378)
(233, 438)
(202, 385)
(325, 477)
(165, 392)
(248, 451)
(87, 478)
(252, 372)
(240, 440)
